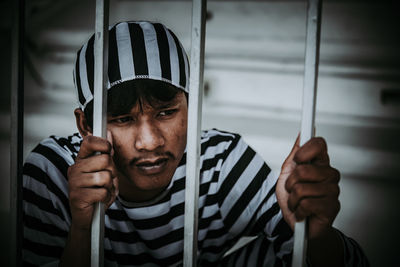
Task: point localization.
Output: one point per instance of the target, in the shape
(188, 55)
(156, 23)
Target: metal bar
(314, 8)
(16, 135)
(193, 132)
(99, 118)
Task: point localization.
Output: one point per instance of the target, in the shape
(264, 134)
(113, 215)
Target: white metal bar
(193, 132)
(16, 135)
(314, 8)
(99, 118)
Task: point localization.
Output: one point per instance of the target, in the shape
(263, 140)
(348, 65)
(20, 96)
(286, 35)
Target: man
(139, 173)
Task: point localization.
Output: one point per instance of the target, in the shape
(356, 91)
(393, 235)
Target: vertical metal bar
(314, 8)
(17, 123)
(99, 118)
(193, 132)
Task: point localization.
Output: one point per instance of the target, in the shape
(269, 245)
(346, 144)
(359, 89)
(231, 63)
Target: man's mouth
(151, 165)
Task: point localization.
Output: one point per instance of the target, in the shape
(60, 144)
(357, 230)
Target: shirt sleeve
(249, 207)
(46, 214)
(353, 253)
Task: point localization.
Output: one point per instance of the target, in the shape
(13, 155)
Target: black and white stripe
(237, 198)
(137, 50)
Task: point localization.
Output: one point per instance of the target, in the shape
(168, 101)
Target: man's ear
(81, 123)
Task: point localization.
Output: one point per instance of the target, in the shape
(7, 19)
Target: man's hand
(91, 179)
(308, 187)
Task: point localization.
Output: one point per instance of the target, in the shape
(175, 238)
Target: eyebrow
(166, 105)
(163, 105)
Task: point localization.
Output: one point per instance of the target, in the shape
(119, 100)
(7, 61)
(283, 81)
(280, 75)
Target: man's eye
(167, 112)
(122, 120)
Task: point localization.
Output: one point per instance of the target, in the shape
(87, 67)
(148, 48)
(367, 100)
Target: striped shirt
(237, 198)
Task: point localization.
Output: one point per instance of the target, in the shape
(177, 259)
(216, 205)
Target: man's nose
(148, 137)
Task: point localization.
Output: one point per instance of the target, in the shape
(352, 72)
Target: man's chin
(145, 190)
(149, 182)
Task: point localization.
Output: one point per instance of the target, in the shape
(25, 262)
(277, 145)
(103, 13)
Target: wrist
(80, 231)
(326, 249)
(77, 249)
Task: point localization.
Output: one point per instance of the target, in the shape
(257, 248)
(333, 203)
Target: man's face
(149, 142)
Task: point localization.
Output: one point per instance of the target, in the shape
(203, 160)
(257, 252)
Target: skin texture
(138, 159)
(141, 153)
(145, 136)
(308, 187)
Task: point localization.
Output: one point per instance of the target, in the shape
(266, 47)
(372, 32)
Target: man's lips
(151, 161)
(151, 165)
(150, 158)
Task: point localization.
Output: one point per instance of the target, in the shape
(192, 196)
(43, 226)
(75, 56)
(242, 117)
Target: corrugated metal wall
(253, 80)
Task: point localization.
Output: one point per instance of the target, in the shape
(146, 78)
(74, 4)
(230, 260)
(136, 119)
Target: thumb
(287, 165)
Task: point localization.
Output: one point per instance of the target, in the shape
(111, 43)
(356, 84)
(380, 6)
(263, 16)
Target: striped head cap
(136, 50)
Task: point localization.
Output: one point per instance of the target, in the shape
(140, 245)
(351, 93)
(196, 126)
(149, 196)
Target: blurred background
(253, 85)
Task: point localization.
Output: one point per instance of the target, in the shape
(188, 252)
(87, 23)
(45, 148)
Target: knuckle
(291, 203)
(306, 203)
(302, 170)
(90, 138)
(104, 160)
(320, 141)
(107, 179)
(108, 197)
(332, 175)
(109, 147)
(299, 213)
(97, 142)
(289, 183)
(110, 182)
(97, 178)
(297, 190)
(102, 193)
(335, 174)
(336, 191)
(102, 178)
(108, 159)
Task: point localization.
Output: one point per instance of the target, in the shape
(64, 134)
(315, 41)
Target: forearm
(77, 250)
(327, 250)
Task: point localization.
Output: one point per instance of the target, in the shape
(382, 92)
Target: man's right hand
(93, 178)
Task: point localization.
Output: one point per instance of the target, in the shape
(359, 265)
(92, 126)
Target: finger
(315, 151)
(326, 209)
(90, 195)
(91, 145)
(307, 173)
(97, 163)
(301, 191)
(95, 179)
(289, 164)
(100, 195)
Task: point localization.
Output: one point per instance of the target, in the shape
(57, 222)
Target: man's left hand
(308, 187)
